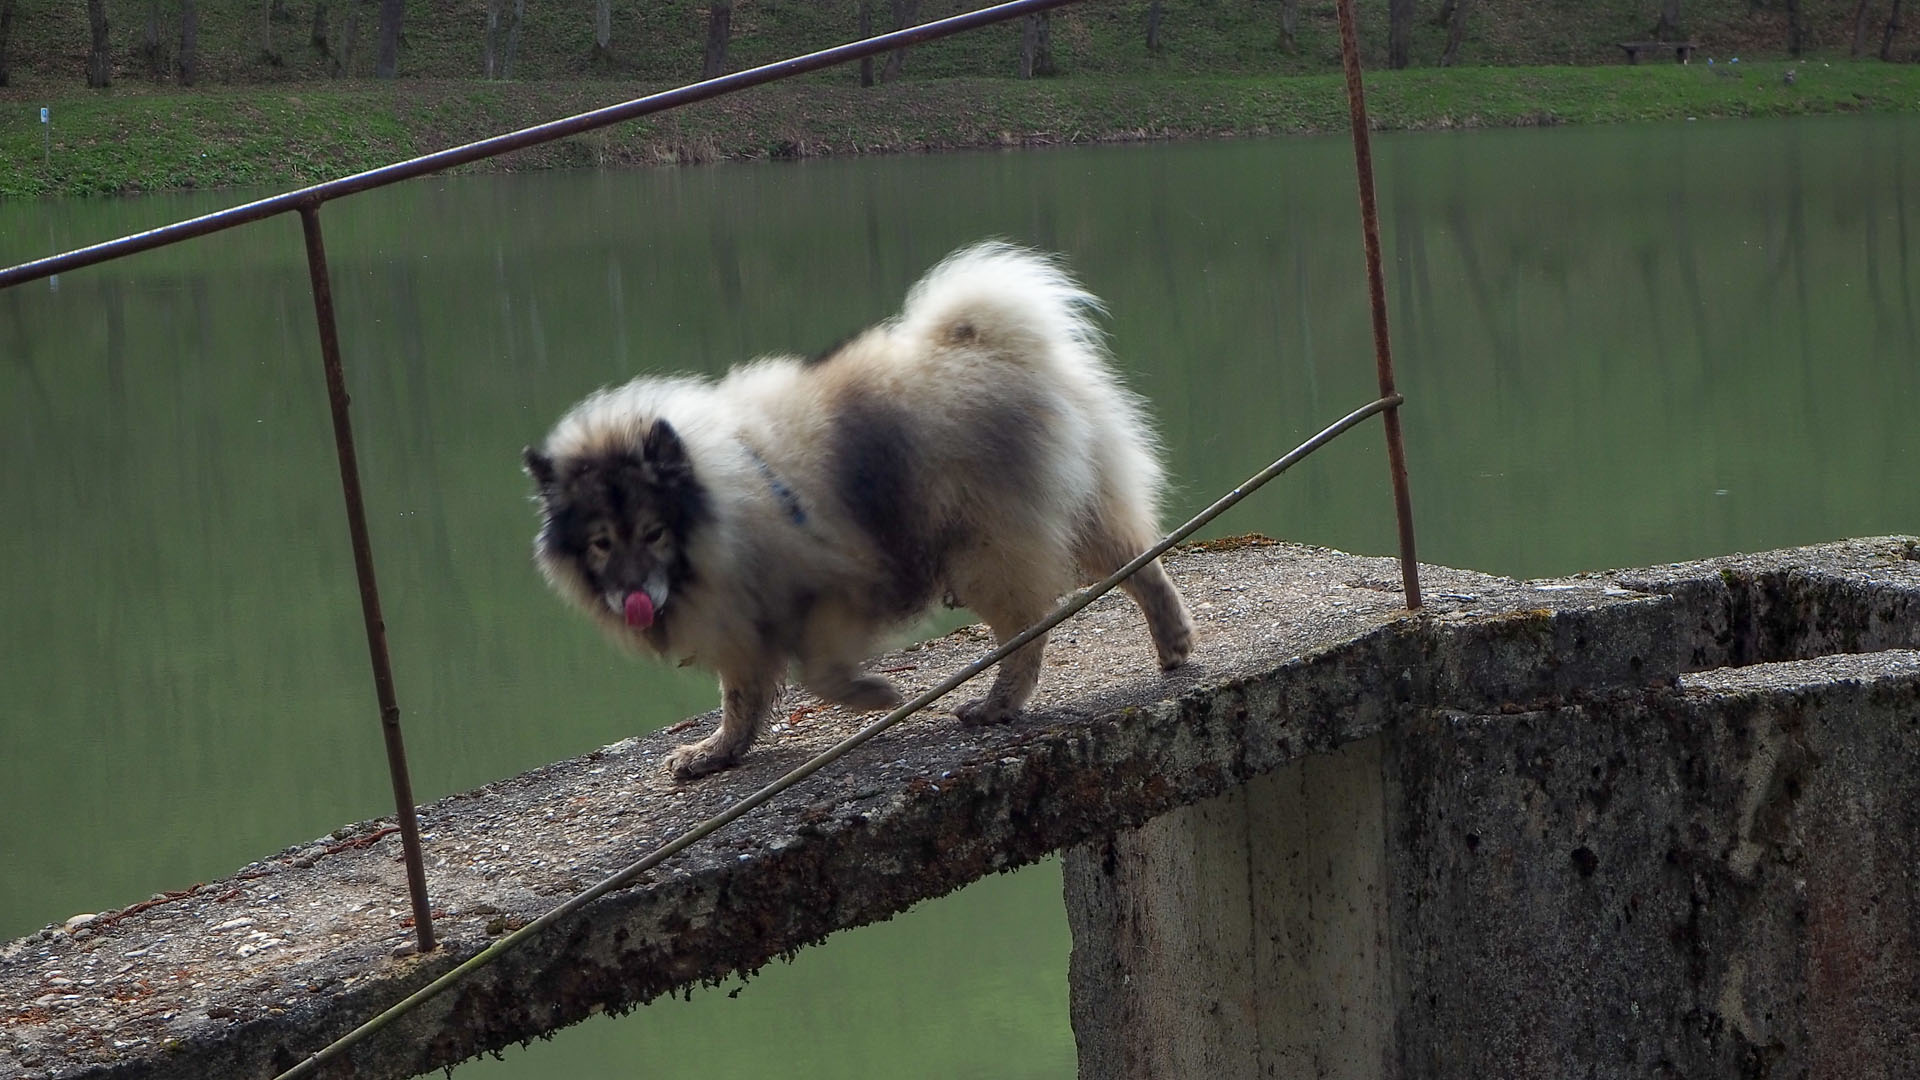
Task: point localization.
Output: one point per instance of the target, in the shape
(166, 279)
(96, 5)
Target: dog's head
(615, 523)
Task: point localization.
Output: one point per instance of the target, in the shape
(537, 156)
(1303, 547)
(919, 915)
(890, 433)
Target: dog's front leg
(744, 699)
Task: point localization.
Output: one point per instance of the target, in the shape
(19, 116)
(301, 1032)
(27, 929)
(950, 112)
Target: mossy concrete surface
(1300, 651)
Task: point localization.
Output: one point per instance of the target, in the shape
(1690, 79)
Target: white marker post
(46, 128)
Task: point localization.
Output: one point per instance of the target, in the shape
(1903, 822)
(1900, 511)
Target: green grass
(287, 136)
(128, 143)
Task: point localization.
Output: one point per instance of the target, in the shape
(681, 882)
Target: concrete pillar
(1244, 936)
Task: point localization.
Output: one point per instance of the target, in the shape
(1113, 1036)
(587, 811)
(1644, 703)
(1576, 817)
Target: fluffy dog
(977, 446)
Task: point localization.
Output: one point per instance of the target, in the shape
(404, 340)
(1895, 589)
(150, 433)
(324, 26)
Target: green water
(1620, 346)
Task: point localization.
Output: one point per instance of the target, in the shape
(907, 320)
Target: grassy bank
(123, 142)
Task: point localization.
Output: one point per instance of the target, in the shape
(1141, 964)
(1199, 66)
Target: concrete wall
(1719, 879)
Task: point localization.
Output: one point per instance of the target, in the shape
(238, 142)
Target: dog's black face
(615, 525)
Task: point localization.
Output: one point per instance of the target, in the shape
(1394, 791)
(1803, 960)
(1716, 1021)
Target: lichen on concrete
(1299, 650)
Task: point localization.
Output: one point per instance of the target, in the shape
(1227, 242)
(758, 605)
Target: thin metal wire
(376, 625)
(733, 813)
(1377, 294)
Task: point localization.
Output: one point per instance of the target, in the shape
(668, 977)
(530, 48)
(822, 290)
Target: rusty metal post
(1377, 292)
(363, 565)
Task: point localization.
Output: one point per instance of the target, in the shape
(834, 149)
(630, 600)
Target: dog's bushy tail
(1008, 301)
(995, 300)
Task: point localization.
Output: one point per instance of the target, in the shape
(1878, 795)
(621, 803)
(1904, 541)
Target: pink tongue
(639, 610)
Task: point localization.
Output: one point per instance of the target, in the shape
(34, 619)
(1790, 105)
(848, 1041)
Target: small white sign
(43, 114)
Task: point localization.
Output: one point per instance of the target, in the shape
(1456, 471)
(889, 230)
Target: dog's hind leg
(1018, 674)
(1008, 606)
(744, 699)
(845, 684)
(1102, 552)
(834, 644)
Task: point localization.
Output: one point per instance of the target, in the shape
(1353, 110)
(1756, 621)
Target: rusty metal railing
(1377, 298)
(308, 201)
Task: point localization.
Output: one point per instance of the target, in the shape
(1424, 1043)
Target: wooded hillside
(46, 43)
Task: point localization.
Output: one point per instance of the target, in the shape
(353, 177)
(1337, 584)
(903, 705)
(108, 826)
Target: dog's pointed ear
(663, 450)
(540, 467)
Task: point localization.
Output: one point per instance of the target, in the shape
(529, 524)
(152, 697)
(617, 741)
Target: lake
(1620, 345)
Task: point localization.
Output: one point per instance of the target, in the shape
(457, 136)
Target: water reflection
(1620, 345)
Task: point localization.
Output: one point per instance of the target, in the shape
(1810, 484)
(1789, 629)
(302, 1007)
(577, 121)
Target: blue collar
(789, 501)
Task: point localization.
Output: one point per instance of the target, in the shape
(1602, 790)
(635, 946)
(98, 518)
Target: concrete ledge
(1300, 650)
(1850, 597)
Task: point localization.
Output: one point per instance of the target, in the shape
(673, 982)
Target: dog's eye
(600, 545)
(653, 535)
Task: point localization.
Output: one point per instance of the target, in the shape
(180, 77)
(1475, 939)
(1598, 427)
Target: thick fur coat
(978, 446)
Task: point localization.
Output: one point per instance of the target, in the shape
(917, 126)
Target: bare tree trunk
(1399, 33)
(317, 37)
(386, 65)
(719, 29)
(150, 49)
(6, 31)
(603, 30)
(1860, 29)
(1893, 31)
(99, 60)
(1153, 27)
(344, 66)
(1036, 46)
(1456, 31)
(490, 49)
(513, 37)
(267, 52)
(1669, 24)
(189, 62)
(905, 14)
(866, 31)
(1289, 24)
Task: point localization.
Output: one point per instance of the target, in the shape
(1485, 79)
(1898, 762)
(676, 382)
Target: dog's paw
(694, 760)
(1177, 654)
(1175, 647)
(986, 711)
(868, 693)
